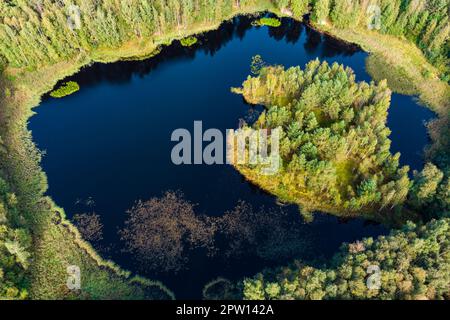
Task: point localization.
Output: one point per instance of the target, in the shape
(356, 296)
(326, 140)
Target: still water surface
(109, 144)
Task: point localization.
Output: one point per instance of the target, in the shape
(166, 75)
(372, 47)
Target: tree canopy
(44, 32)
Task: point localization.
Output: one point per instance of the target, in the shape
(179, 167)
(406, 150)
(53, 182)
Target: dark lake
(110, 142)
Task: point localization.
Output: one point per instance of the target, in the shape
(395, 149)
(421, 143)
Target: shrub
(413, 264)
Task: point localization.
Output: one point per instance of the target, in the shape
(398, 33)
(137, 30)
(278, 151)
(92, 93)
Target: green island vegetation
(66, 89)
(414, 263)
(270, 22)
(334, 144)
(189, 41)
(409, 48)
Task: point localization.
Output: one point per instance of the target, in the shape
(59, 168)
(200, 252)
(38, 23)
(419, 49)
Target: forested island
(335, 146)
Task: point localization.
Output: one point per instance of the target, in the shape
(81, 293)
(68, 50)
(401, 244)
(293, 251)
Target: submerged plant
(219, 289)
(65, 89)
(161, 231)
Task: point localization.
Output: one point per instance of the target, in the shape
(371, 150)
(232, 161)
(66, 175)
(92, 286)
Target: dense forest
(335, 143)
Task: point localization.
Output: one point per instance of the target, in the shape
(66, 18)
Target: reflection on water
(110, 142)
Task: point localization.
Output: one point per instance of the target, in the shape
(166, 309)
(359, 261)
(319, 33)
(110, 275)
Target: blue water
(110, 142)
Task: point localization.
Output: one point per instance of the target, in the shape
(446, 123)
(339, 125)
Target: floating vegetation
(257, 64)
(89, 225)
(219, 289)
(189, 41)
(65, 89)
(270, 22)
